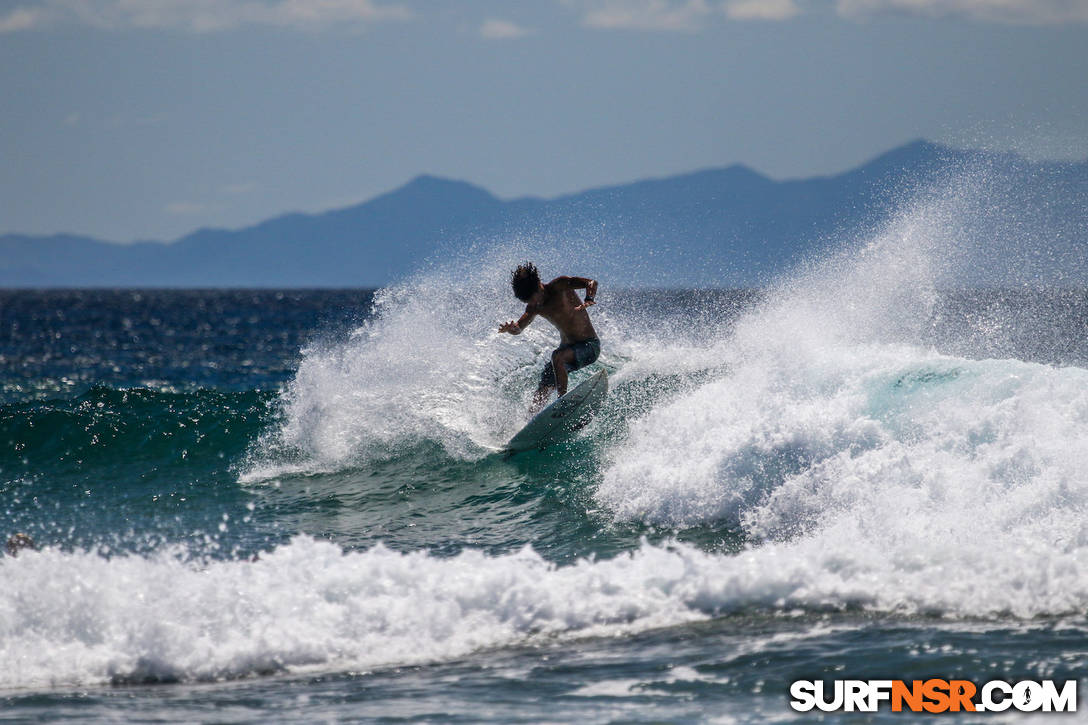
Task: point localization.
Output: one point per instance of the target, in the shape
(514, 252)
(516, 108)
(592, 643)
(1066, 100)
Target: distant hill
(721, 227)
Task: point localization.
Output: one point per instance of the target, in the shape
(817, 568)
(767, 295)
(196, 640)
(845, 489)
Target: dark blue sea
(287, 506)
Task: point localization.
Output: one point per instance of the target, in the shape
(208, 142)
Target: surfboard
(564, 416)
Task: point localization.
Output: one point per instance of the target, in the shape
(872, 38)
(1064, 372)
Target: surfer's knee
(563, 356)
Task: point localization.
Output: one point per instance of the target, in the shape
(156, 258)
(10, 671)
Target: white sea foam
(914, 479)
(79, 618)
(427, 367)
(69, 618)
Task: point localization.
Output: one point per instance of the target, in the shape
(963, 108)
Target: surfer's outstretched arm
(514, 327)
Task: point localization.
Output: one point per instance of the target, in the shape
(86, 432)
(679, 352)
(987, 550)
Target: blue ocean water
(256, 506)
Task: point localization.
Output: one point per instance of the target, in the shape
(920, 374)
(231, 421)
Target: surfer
(557, 303)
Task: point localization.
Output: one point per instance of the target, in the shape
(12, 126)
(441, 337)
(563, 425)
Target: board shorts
(585, 353)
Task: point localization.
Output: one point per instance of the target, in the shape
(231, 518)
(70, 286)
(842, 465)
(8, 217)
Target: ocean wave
(846, 445)
(80, 618)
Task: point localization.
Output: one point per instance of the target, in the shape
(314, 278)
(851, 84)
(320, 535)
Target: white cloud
(665, 15)
(21, 19)
(761, 9)
(202, 15)
(502, 30)
(1030, 12)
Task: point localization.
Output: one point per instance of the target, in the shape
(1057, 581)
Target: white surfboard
(563, 417)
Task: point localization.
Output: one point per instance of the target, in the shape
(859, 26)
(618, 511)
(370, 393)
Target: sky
(147, 119)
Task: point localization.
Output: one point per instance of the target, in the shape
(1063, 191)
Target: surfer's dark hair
(525, 280)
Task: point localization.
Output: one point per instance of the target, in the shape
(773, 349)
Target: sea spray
(840, 433)
(429, 366)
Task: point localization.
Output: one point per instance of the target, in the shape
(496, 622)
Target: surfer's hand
(587, 303)
(511, 327)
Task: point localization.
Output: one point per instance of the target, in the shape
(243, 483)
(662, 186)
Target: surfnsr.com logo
(933, 696)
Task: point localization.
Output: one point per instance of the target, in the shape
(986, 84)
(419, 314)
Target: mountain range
(727, 227)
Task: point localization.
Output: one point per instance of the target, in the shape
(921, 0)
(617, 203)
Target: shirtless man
(557, 303)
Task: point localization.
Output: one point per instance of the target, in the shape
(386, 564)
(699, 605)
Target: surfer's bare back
(557, 303)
